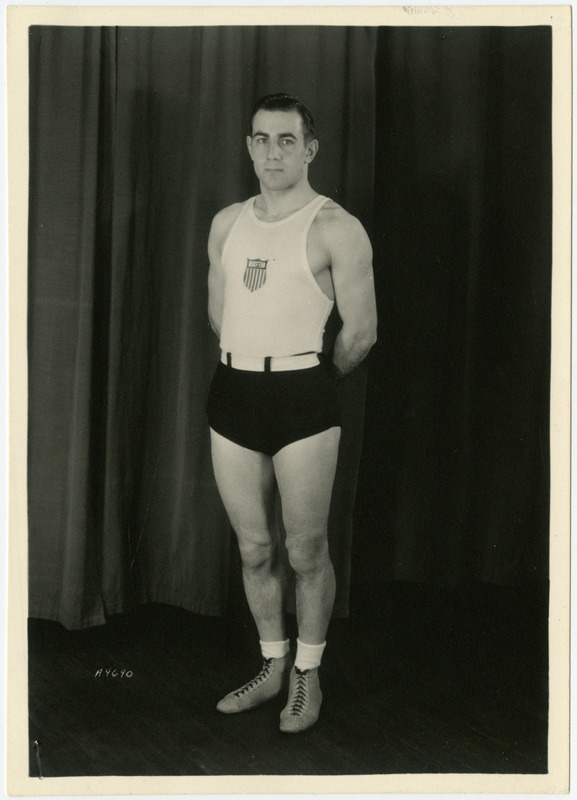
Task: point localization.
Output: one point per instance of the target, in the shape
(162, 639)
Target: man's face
(278, 150)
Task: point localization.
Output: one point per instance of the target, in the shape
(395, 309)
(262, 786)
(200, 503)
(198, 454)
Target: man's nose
(274, 151)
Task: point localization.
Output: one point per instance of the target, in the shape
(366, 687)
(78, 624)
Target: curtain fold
(63, 318)
(460, 404)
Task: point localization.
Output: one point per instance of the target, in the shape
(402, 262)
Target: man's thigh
(246, 483)
(305, 472)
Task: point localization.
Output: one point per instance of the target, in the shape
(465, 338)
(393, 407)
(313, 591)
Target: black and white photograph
(292, 385)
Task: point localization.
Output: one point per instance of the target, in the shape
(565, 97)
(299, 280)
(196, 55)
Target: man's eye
(287, 142)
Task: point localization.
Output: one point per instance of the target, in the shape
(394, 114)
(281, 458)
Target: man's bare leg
(305, 472)
(246, 483)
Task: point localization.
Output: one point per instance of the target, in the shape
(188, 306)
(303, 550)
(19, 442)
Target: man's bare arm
(219, 231)
(352, 273)
(215, 279)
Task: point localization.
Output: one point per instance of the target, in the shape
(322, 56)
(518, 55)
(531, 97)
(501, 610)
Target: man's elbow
(369, 340)
(362, 337)
(214, 318)
(369, 331)
(372, 335)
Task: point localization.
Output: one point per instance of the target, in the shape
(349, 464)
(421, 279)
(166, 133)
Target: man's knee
(307, 552)
(256, 554)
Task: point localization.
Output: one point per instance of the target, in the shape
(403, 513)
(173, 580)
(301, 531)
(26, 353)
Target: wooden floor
(416, 680)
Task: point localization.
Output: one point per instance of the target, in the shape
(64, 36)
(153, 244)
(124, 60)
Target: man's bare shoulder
(223, 222)
(336, 225)
(226, 216)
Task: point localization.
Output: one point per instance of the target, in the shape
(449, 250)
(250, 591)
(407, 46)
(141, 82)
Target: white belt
(270, 363)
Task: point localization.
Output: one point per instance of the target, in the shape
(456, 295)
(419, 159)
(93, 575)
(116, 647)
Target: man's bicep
(214, 242)
(352, 273)
(215, 277)
(219, 231)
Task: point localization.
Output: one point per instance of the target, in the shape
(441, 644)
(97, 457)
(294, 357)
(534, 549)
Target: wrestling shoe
(269, 682)
(304, 703)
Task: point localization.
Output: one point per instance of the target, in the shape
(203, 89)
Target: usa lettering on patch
(255, 274)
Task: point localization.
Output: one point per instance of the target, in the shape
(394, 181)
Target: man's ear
(249, 145)
(312, 149)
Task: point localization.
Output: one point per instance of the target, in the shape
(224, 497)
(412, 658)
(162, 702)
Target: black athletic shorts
(265, 411)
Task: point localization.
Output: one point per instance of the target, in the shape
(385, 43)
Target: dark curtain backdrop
(439, 141)
(457, 470)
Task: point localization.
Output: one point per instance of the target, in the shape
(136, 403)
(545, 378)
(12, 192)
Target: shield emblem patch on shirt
(255, 274)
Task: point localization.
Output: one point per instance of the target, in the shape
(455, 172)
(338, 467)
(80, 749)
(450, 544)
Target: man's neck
(278, 205)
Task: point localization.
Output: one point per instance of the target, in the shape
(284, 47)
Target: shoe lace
(300, 698)
(262, 676)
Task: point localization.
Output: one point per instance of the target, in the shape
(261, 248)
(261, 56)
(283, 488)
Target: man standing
(278, 263)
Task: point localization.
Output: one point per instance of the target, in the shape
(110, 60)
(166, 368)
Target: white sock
(309, 655)
(274, 649)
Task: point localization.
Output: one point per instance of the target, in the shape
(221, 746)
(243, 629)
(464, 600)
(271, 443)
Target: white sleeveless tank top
(273, 305)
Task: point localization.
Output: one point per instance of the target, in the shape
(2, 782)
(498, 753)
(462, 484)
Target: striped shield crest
(255, 274)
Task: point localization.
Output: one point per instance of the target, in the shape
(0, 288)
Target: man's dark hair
(286, 102)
